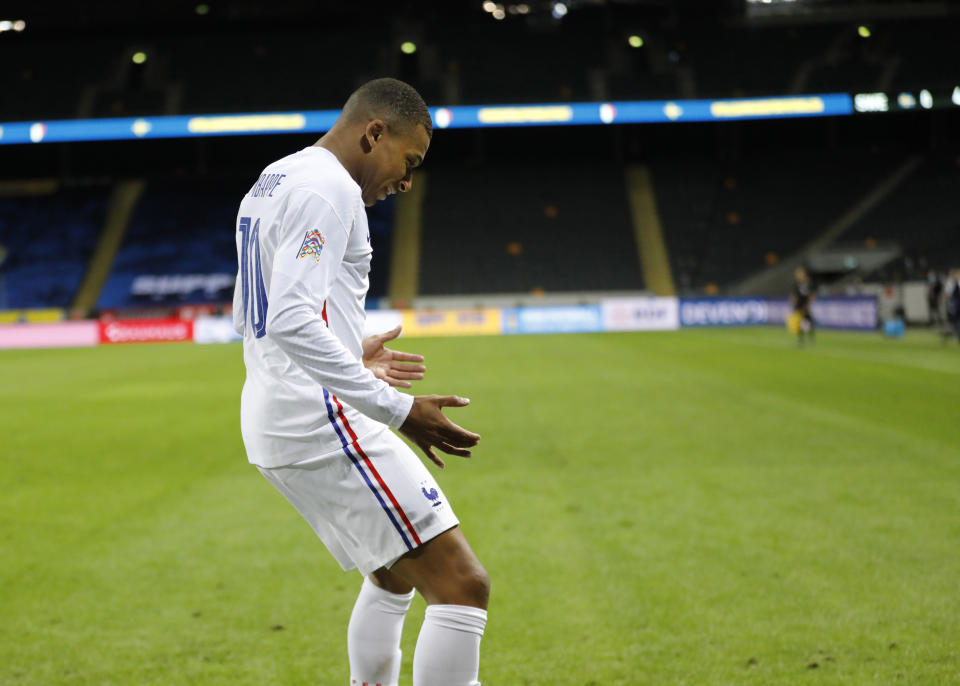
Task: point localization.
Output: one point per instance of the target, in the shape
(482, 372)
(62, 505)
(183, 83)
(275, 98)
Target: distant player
(952, 292)
(801, 298)
(318, 401)
(934, 295)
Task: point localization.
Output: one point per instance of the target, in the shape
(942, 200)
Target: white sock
(448, 649)
(373, 636)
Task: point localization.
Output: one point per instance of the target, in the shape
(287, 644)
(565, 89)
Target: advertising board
(59, 335)
(723, 311)
(478, 322)
(567, 319)
(640, 314)
(846, 312)
(834, 312)
(146, 331)
(215, 330)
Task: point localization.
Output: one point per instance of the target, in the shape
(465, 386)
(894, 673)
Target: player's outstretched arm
(428, 427)
(396, 368)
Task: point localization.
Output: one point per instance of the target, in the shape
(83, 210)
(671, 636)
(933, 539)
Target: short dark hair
(397, 103)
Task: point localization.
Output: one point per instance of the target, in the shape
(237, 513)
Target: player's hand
(429, 429)
(389, 365)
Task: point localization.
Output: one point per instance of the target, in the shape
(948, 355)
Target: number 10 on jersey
(251, 284)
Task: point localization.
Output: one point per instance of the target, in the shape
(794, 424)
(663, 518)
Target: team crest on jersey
(312, 245)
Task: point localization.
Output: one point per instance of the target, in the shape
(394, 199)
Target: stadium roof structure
(80, 71)
(160, 14)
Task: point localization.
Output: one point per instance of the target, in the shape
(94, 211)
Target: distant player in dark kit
(934, 294)
(952, 290)
(801, 297)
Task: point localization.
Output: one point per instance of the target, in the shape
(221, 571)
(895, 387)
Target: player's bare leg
(445, 571)
(455, 585)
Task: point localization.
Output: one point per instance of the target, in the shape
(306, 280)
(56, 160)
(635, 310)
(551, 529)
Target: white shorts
(369, 503)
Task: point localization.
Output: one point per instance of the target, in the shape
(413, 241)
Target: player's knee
(467, 586)
(475, 588)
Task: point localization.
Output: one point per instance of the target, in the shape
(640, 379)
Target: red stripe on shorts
(376, 474)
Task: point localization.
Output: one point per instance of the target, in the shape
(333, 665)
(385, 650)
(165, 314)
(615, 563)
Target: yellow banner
(247, 122)
(480, 322)
(766, 107)
(44, 316)
(525, 114)
(32, 316)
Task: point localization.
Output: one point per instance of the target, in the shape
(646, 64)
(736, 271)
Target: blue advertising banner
(846, 312)
(723, 311)
(569, 319)
(834, 312)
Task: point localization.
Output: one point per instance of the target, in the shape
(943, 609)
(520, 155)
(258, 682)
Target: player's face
(393, 157)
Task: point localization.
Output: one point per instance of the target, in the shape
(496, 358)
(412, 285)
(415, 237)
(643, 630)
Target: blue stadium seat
(178, 229)
(49, 241)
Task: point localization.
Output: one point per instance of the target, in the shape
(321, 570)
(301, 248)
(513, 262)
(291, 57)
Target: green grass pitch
(696, 507)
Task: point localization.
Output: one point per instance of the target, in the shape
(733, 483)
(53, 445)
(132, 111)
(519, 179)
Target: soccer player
(318, 401)
(801, 297)
(934, 295)
(952, 290)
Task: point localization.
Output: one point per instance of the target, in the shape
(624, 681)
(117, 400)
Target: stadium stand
(724, 221)
(380, 219)
(268, 67)
(49, 239)
(179, 247)
(60, 79)
(491, 77)
(527, 227)
(921, 216)
(924, 64)
(742, 62)
(264, 71)
(36, 86)
(850, 66)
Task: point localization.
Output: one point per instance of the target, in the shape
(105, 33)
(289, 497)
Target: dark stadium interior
(243, 56)
(538, 208)
(558, 226)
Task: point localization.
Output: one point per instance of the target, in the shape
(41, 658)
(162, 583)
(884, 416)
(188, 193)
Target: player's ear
(374, 131)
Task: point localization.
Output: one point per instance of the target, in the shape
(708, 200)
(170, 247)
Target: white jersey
(303, 248)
